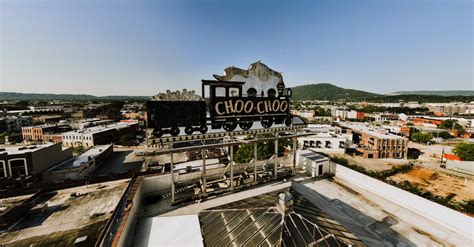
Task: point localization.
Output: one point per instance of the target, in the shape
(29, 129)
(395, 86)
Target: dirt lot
(438, 183)
(373, 164)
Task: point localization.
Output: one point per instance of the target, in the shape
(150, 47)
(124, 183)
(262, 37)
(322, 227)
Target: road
(121, 160)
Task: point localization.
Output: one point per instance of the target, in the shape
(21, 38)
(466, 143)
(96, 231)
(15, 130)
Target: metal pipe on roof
(231, 163)
(172, 178)
(255, 162)
(203, 172)
(275, 162)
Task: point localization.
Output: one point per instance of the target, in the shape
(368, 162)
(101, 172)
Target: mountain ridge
(52, 96)
(317, 91)
(328, 91)
(436, 92)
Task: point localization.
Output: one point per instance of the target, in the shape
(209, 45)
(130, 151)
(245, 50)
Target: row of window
(72, 144)
(14, 168)
(86, 138)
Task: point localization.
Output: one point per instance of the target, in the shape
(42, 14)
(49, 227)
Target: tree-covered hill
(327, 91)
(67, 97)
(437, 93)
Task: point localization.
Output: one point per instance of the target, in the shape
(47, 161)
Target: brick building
(375, 143)
(44, 133)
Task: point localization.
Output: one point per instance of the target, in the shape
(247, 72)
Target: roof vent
(285, 202)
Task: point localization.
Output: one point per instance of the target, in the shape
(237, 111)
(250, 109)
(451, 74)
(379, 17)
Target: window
(234, 92)
(18, 167)
(252, 92)
(271, 93)
(3, 169)
(220, 92)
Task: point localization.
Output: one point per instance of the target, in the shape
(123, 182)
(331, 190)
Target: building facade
(373, 143)
(44, 133)
(11, 123)
(80, 166)
(325, 142)
(17, 161)
(99, 135)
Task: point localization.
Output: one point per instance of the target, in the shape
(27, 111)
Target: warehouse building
(99, 135)
(17, 161)
(80, 166)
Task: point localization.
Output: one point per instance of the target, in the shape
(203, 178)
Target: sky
(143, 47)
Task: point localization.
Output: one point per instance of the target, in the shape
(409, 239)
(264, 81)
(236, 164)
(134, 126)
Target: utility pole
(442, 157)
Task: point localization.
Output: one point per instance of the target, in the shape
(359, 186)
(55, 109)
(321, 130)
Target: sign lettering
(250, 107)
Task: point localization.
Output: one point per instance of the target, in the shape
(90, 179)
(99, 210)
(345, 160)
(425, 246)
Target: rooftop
(249, 221)
(325, 212)
(82, 158)
(312, 155)
(371, 130)
(21, 149)
(98, 129)
(77, 212)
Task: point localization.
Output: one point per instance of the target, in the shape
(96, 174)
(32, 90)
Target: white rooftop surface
(320, 127)
(15, 149)
(175, 231)
(97, 129)
(370, 130)
(210, 163)
(312, 155)
(82, 158)
(327, 135)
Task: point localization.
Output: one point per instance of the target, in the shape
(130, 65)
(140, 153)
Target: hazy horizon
(198, 91)
(140, 48)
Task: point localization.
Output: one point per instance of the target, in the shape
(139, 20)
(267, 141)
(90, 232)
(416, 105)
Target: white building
(325, 142)
(316, 165)
(352, 114)
(98, 135)
(80, 166)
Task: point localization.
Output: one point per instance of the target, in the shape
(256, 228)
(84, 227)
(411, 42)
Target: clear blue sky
(134, 47)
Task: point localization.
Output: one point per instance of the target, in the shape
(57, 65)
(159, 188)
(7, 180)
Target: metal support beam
(275, 163)
(231, 163)
(172, 178)
(203, 172)
(295, 148)
(255, 162)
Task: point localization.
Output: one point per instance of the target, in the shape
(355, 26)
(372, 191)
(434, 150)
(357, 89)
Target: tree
(465, 151)
(452, 124)
(319, 111)
(265, 150)
(412, 131)
(445, 135)
(112, 108)
(421, 137)
(78, 149)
